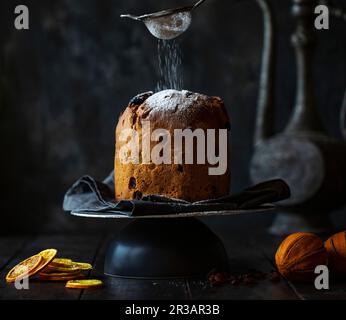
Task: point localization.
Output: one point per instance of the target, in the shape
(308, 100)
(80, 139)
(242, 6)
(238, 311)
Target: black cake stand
(163, 246)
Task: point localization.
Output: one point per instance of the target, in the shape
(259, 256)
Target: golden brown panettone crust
(190, 182)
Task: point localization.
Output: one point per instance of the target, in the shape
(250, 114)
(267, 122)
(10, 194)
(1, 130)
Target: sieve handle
(197, 4)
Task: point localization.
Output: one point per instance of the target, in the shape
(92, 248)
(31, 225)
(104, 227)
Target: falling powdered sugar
(169, 65)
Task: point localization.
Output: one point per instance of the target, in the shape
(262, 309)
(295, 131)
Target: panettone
(169, 110)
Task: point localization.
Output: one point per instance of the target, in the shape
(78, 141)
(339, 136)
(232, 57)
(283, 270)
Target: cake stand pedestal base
(163, 248)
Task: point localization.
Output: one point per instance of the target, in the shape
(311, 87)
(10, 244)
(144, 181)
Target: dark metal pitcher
(304, 155)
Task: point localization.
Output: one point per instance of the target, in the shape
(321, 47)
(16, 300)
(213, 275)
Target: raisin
(140, 98)
(132, 183)
(145, 114)
(180, 168)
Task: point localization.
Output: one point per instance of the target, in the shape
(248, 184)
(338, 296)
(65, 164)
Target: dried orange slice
(61, 262)
(26, 268)
(72, 268)
(66, 265)
(58, 274)
(47, 256)
(59, 277)
(83, 265)
(84, 284)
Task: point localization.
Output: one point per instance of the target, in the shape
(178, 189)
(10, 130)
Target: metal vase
(310, 161)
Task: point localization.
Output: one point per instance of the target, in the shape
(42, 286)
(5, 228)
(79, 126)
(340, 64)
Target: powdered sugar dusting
(173, 100)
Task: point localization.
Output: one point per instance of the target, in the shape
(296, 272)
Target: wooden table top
(247, 248)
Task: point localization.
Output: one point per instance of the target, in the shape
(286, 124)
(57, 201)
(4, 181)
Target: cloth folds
(89, 195)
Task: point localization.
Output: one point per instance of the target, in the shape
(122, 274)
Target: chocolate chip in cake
(137, 195)
(132, 183)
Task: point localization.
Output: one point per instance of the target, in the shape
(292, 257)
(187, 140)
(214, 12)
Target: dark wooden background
(64, 82)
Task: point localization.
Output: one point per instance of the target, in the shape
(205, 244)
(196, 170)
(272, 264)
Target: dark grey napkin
(90, 196)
